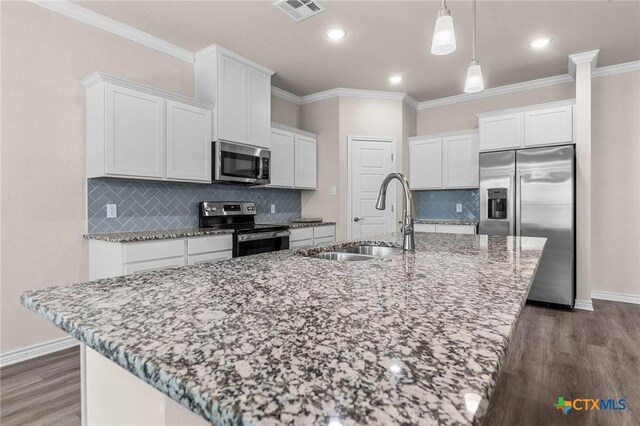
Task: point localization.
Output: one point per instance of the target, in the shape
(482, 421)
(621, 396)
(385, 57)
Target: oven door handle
(262, 236)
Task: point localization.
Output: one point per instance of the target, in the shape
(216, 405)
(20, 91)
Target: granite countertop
(284, 339)
(293, 225)
(446, 222)
(128, 237)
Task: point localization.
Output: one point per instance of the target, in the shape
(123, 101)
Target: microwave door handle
(259, 160)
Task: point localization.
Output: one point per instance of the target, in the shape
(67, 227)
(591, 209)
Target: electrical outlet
(459, 208)
(334, 190)
(112, 211)
(273, 208)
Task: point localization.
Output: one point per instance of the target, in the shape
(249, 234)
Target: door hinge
(392, 206)
(392, 157)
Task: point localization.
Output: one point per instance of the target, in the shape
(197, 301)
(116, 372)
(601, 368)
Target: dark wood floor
(553, 353)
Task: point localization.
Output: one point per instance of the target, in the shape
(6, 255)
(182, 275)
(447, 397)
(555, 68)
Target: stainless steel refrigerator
(531, 192)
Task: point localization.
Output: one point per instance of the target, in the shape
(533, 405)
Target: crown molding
(582, 58)
(290, 129)
(216, 48)
(94, 19)
(495, 91)
(287, 96)
(616, 69)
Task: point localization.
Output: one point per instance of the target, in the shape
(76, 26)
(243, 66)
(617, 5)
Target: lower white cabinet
(305, 237)
(445, 229)
(294, 158)
(112, 259)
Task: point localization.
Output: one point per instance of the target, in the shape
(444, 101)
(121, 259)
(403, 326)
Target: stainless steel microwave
(236, 163)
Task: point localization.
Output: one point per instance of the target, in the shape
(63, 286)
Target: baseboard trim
(30, 352)
(616, 297)
(584, 305)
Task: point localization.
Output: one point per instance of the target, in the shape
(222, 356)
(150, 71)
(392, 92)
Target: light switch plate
(334, 190)
(459, 208)
(273, 208)
(112, 211)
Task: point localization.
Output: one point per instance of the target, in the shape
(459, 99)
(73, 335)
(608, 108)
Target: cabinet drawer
(324, 231)
(324, 240)
(148, 250)
(208, 244)
(300, 243)
(301, 234)
(206, 257)
(424, 227)
(153, 265)
(456, 229)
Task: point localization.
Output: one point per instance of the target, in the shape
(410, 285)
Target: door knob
(358, 219)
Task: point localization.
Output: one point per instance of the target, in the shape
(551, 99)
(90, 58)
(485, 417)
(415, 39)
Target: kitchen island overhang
(413, 338)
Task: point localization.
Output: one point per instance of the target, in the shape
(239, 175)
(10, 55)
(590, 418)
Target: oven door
(260, 242)
(239, 163)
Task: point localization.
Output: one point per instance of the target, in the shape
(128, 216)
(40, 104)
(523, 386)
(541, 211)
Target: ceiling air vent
(299, 9)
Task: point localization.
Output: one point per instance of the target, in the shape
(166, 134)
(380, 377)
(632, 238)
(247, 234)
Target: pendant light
(474, 82)
(444, 38)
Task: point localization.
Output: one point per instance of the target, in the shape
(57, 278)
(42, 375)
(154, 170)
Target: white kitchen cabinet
(529, 126)
(425, 156)
(445, 229)
(241, 91)
(282, 158)
(310, 236)
(503, 131)
(110, 259)
(188, 142)
(294, 158)
(460, 161)
(548, 126)
(136, 131)
(306, 168)
(133, 133)
(447, 160)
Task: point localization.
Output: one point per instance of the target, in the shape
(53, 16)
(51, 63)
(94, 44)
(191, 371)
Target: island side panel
(113, 396)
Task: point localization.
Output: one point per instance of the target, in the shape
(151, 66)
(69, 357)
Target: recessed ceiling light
(395, 79)
(540, 42)
(336, 33)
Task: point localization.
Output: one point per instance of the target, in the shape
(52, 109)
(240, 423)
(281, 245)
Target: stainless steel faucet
(408, 242)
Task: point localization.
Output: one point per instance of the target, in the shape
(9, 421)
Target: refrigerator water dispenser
(497, 203)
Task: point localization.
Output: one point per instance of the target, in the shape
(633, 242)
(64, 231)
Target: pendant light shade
(444, 37)
(474, 82)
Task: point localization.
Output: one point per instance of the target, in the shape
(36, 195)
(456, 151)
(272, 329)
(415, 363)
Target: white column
(580, 68)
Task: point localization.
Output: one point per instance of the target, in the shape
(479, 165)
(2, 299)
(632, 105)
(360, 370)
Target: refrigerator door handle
(518, 203)
(511, 194)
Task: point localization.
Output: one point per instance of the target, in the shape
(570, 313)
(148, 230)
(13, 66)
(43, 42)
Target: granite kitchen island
(282, 338)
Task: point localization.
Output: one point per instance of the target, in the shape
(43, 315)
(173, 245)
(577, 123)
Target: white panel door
(548, 126)
(371, 162)
(282, 158)
(426, 163)
(258, 108)
(460, 161)
(306, 168)
(134, 133)
(501, 132)
(188, 142)
(232, 100)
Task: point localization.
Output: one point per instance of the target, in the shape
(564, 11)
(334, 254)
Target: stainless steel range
(248, 237)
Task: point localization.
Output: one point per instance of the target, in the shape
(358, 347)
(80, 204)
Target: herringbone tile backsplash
(442, 204)
(146, 205)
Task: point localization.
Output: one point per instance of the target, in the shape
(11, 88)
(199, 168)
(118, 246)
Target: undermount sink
(358, 253)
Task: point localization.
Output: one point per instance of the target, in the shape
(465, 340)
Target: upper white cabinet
(548, 126)
(294, 158)
(425, 162)
(501, 132)
(188, 142)
(136, 131)
(241, 91)
(448, 160)
(460, 161)
(535, 125)
(306, 168)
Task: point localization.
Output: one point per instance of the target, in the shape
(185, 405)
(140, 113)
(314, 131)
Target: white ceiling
(393, 37)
